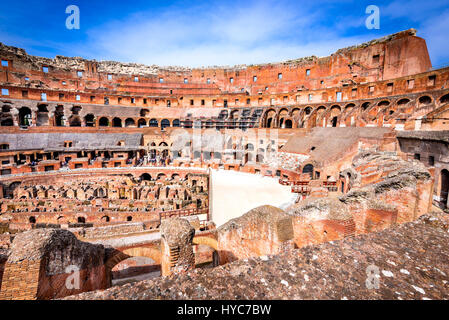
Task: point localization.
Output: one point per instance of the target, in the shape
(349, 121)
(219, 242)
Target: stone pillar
(34, 111)
(15, 116)
(176, 245)
(66, 117)
(51, 115)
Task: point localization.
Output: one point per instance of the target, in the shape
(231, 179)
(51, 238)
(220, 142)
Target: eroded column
(176, 244)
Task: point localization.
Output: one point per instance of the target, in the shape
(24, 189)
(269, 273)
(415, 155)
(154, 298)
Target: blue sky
(206, 33)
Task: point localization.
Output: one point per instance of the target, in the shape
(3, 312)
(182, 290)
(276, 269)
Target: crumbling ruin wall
(42, 264)
(176, 245)
(390, 191)
(333, 270)
(262, 231)
(321, 220)
(109, 231)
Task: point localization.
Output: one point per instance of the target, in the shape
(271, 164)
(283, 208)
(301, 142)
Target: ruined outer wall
(406, 56)
(397, 55)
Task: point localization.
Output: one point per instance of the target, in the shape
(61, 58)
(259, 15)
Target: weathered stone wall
(109, 231)
(388, 191)
(262, 231)
(37, 266)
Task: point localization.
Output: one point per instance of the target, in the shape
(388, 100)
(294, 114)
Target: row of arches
(79, 219)
(285, 118)
(130, 122)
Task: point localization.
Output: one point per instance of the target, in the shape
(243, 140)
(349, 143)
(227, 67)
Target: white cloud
(204, 35)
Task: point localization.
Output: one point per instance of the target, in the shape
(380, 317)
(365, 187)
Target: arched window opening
(141, 123)
(154, 123)
(117, 122)
(165, 123)
(103, 122)
(25, 117)
(89, 120)
(424, 100)
(130, 122)
(81, 220)
(145, 177)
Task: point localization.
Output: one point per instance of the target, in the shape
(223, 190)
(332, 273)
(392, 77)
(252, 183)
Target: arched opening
(6, 117)
(117, 122)
(444, 99)
(105, 219)
(81, 220)
(100, 193)
(365, 106)
(403, 102)
(425, 100)
(42, 116)
(308, 169)
(176, 123)
(165, 123)
(129, 218)
(141, 123)
(137, 268)
(270, 117)
(103, 122)
(145, 177)
(60, 119)
(25, 117)
(89, 120)
(444, 187)
(154, 123)
(288, 124)
(32, 219)
(130, 122)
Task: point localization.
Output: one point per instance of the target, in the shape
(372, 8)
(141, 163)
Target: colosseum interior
(272, 177)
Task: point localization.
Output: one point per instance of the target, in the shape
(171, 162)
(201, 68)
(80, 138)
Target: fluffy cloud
(206, 35)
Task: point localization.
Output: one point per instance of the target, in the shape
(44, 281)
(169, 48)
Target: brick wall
(20, 280)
